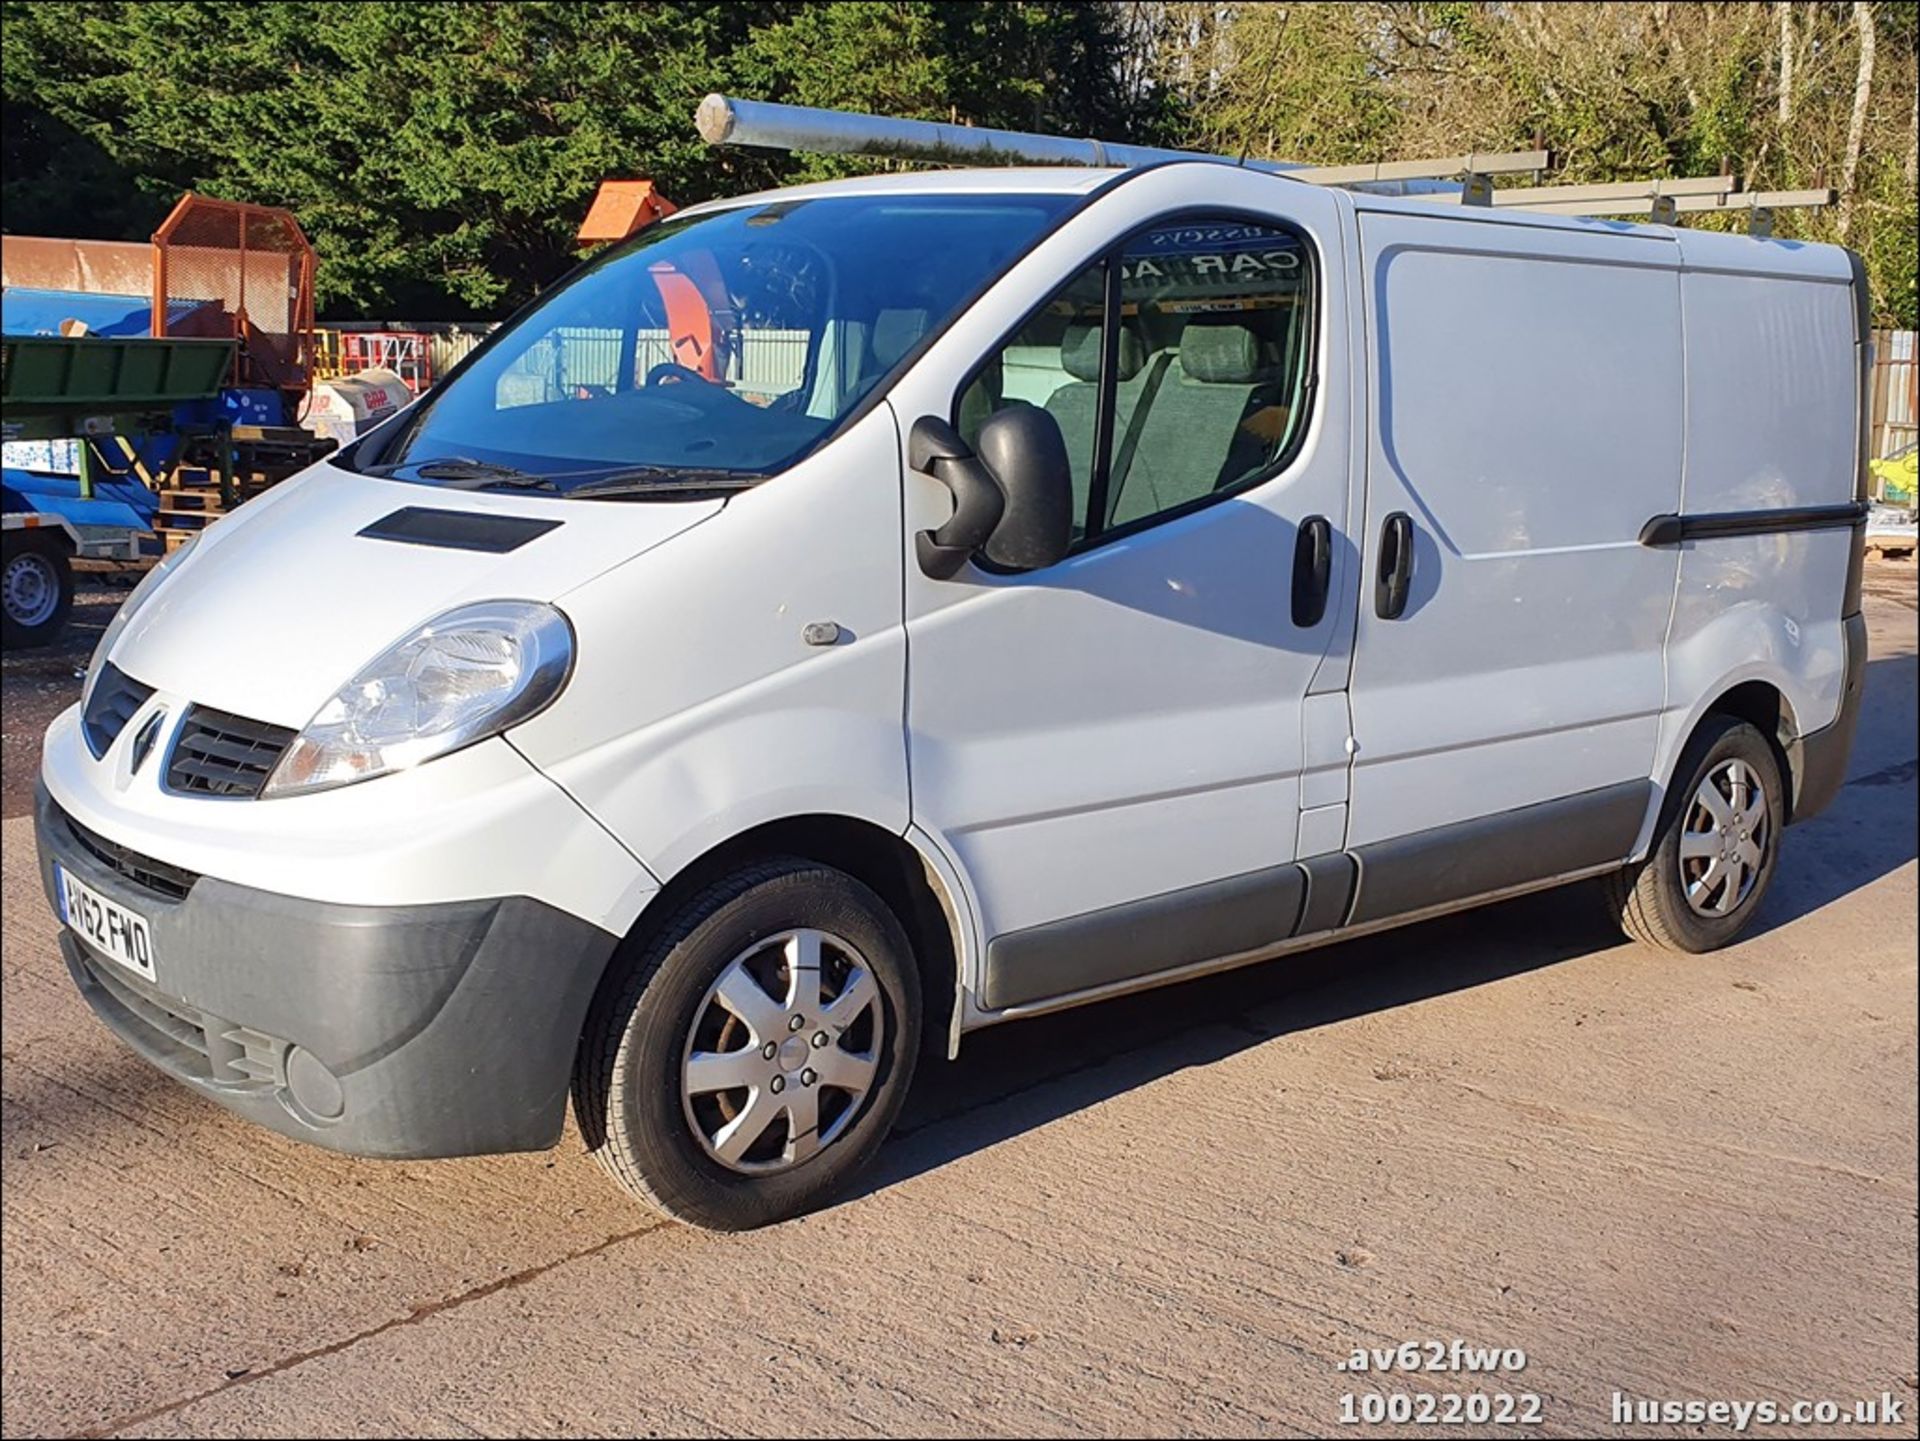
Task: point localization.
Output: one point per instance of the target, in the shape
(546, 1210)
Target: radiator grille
(116, 696)
(218, 754)
(161, 879)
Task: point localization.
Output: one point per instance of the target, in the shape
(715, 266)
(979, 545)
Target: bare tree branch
(1786, 64)
(1857, 127)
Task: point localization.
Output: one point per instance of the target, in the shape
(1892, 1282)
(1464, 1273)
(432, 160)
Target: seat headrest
(895, 332)
(1221, 352)
(1080, 351)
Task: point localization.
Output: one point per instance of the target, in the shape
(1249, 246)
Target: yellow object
(1894, 476)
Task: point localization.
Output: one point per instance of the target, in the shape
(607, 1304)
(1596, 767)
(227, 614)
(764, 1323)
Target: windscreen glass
(723, 345)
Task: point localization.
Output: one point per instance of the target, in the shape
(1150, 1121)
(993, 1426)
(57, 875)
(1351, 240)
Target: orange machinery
(625, 207)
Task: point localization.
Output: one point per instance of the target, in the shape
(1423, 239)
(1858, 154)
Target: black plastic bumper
(1824, 754)
(398, 1031)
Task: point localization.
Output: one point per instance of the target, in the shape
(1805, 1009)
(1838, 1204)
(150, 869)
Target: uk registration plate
(108, 926)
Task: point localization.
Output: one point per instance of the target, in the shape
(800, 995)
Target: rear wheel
(756, 1052)
(1718, 845)
(36, 588)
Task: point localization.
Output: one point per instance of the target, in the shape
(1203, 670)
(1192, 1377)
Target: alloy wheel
(1725, 843)
(784, 1051)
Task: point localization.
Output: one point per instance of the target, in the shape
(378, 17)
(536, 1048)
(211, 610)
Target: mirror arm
(935, 448)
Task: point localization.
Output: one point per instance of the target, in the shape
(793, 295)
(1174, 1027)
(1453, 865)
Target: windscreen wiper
(645, 480)
(460, 472)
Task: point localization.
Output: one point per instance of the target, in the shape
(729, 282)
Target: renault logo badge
(143, 739)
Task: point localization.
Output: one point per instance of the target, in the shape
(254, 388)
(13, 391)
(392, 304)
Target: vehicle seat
(1075, 405)
(895, 332)
(1194, 436)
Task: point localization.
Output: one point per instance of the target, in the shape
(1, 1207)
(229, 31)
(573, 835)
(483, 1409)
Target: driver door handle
(1312, 571)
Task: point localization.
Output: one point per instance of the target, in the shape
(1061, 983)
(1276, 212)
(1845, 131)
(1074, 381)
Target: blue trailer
(93, 389)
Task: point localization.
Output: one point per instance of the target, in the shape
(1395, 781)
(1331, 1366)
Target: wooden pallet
(190, 501)
(192, 497)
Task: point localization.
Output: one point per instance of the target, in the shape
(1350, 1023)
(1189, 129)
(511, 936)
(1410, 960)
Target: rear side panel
(1771, 385)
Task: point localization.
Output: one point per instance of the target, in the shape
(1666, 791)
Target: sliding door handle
(1312, 571)
(1395, 577)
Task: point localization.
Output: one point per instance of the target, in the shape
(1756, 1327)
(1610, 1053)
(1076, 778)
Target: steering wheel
(674, 371)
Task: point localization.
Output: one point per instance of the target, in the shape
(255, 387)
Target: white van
(843, 618)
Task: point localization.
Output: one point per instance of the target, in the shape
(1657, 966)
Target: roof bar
(1738, 204)
(1642, 190)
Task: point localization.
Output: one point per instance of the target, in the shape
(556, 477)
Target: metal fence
(1896, 391)
(770, 363)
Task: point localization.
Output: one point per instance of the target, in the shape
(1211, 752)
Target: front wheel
(756, 1051)
(1717, 848)
(36, 589)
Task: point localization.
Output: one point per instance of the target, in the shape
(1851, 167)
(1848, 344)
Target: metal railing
(560, 365)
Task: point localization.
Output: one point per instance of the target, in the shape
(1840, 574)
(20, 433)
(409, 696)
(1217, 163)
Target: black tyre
(753, 1053)
(36, 588)
(1717, 848)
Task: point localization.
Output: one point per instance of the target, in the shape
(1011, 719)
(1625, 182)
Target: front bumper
(445, 1029)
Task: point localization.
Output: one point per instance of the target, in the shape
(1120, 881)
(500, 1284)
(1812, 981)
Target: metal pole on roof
(725, 120)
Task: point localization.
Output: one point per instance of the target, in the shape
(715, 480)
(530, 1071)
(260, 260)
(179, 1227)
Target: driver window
(1210, 368)
(1052, 361)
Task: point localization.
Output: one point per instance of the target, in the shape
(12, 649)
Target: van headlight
(460, 678)
(122, 618)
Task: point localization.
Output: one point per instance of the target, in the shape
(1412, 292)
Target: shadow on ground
(1013, 1078)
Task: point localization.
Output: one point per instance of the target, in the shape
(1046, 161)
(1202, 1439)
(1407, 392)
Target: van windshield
(714, 349)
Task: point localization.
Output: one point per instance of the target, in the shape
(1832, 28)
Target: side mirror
(1012, 493)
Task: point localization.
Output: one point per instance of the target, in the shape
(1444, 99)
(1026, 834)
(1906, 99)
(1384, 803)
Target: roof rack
(728, 120)
(1462, 179)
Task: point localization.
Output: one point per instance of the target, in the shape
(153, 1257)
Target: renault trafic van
(843, 618)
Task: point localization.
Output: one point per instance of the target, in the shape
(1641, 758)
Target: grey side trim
(1824, 754)
(1248, 917)
(1489, 853)
(1296, 946)
(1330, 882)
(1159, 933)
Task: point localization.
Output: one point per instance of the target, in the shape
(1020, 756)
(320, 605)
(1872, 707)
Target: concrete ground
(1672, 1178)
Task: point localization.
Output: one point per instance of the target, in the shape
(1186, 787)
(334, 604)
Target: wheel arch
(1766, 706)
(909, 882)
